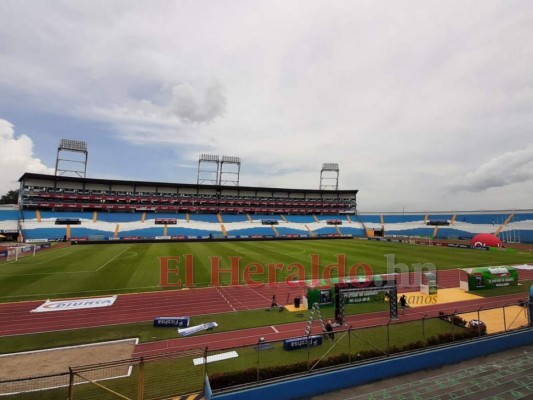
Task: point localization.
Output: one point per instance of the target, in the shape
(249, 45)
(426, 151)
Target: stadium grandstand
(55, 207)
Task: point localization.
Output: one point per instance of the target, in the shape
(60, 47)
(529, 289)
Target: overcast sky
(425, 105)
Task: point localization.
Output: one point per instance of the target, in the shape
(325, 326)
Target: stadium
(153, 290)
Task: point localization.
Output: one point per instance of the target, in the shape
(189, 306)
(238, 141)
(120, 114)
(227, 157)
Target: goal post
(14, 253)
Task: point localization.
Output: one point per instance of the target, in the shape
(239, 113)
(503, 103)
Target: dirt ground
(55, 361)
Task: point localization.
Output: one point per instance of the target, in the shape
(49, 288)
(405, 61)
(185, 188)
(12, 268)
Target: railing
(180, 373)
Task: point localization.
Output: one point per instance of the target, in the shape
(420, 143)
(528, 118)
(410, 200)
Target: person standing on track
(274, 302)
(403, 303)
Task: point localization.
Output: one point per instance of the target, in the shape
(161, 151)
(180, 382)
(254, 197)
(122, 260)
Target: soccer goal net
(15, 253)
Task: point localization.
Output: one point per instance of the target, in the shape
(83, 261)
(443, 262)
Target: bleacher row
(512, 226)
(70, 199)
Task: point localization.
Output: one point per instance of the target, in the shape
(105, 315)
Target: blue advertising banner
(302, 342)
(171, 322)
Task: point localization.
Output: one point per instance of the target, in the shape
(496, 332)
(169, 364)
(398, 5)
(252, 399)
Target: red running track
(247, 337)
(17, 318)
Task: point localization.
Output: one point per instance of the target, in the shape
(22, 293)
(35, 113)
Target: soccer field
(89, 270)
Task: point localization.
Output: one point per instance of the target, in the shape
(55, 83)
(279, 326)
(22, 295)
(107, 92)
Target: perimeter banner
(78, 304)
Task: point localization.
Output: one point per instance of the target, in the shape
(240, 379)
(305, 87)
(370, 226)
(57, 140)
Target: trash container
(296, 302)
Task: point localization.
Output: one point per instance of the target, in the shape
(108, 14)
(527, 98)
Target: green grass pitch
(89, 270)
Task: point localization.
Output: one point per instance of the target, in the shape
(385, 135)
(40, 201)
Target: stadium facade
(53, 207)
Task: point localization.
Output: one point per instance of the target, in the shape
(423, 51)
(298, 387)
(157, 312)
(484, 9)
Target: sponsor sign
(130, 237)
(173, 322)
(361, 296)
(302, 342)
(36, 240)
(491, 277)
(78, 304)
(162, 237)
(197, 328)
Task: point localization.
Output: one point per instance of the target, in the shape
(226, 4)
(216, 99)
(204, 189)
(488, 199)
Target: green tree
(11, 197)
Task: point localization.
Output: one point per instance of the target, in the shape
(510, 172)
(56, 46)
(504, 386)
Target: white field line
(119, 254)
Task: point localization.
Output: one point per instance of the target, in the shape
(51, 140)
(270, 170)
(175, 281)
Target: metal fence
(180, 373)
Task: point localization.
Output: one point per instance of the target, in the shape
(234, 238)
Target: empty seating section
(251, 231)
(118, 217)
(234, 218)
(482, 218)
(122, 209)
(61, 199)
(519, 228)
(326, 231)
(212, 218)
(292, 231)
(395, 218)
(368, 218)
(9, 215)
(300, 219)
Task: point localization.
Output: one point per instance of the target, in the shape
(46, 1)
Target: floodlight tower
(230, 175)
(329, 176)
(206, 172)
(68, 165)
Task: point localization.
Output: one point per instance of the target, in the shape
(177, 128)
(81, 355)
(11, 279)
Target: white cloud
(504, 170)
(404, 95)
(16, 157)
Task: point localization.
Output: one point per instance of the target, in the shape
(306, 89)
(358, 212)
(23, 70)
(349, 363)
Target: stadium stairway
(505, 223)
(224, 232)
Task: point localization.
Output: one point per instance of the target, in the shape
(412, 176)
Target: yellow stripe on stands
(316, 219)
(143, 218)
(504, 224)
(348, 218)
(165, 230)
(435, 231)
(283, 218)
(426, 219)
(249, 218)
(187, 217)
(68, 232)
(338, 229)
(95, 216)
(219, 216)
(453, 218)
(310, 231)
(382, 219)
(224, 232)
(38, 215)
(117, 229)
(275, 230)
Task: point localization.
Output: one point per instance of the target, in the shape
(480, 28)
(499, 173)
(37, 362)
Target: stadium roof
(29, 175)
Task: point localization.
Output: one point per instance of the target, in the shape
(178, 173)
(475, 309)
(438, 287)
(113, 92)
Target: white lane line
(227, 301)
(274, 328)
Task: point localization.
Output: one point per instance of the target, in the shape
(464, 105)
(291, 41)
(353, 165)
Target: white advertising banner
(77, 304)
(197, 328)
